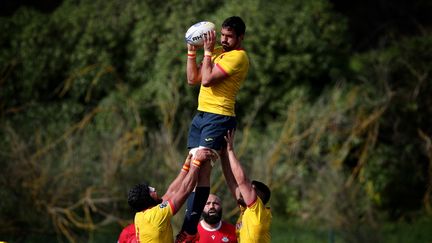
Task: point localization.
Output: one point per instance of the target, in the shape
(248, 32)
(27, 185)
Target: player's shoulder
(161, 208)
(238, 54)
(218, 50)
(239, 51)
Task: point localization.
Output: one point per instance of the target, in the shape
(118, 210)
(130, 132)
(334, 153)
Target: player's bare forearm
(206, 70)
(237, 170)
(187, 178)
(175, 184)
(192, 70)
(226, 156)
(193, 73)
(187, 185)
(207, 66)
(243, 182)
(189, 182)
(229, 177)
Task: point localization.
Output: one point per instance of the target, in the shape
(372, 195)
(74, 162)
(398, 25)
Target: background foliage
(93, 99)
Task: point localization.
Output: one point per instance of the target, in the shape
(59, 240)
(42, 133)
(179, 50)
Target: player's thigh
(194, 134)
(212, 134)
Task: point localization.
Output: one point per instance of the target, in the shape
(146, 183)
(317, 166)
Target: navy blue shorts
(208, 130)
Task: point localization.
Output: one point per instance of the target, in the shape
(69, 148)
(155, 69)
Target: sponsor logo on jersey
(163, 204)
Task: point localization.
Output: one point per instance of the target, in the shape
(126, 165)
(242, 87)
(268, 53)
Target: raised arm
(173, 187)
(243, 182)
(192, 69)
(229, 177)
(188, 182)
(210, 75)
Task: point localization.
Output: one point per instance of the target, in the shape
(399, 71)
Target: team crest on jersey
(225, 239)
(164, 204)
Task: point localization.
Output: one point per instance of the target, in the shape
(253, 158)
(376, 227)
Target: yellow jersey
(220, 98)
(253, 225)
(154, 224)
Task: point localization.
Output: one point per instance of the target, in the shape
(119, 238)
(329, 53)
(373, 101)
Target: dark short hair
(139, 197)
(235, 23)
(263, 191)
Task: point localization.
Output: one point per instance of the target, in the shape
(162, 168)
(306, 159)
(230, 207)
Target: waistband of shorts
(198, 112)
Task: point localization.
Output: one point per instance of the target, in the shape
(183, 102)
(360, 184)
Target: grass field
(284, 231)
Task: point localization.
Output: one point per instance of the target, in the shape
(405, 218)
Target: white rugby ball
(195, 34)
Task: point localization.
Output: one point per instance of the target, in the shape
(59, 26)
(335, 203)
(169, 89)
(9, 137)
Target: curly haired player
(153, 214)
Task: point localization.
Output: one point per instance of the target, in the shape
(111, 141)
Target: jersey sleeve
(257, 209)
(162, 213)
(232, 62)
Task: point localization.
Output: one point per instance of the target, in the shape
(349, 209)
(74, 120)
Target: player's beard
(213, 218)
(226, 46)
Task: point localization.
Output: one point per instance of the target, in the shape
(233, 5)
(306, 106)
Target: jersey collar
(211, 229)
